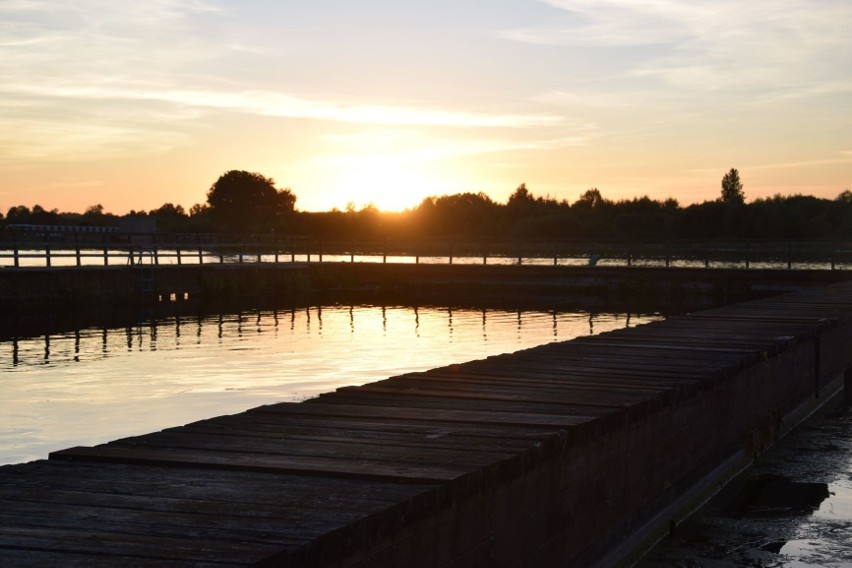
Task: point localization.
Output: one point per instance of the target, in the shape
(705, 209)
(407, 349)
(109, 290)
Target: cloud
(803, 163)
(402, 149)
(710, 45)
(843, 158)
(272, 103)
(102, 77)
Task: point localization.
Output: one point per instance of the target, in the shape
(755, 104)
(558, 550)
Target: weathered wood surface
(321, 481)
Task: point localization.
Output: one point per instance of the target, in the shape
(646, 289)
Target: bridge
(59, 246)
(578, 453)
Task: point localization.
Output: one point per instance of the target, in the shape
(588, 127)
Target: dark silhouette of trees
(170, 218)
(18, 214)
(590, 199)
(462, 214)
(95, 216)
(37, 215)
(244, 201)
(643, 218)
(249, 202)
(732, 188)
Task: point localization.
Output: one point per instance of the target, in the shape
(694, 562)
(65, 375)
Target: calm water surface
(95, 385)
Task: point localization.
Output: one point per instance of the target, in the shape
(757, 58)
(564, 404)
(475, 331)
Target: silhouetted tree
(458, 214)
(732, 188)
(242, 200)
(170, 218)
(18, 214)
(591, 198)
(521, 194)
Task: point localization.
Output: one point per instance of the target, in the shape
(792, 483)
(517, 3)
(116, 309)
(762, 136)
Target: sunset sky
(132, 104)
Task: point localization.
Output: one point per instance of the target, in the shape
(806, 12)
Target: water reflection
(97, 384)
(82, 345)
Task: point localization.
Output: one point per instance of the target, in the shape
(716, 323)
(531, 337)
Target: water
(94, 385)
(37, 257)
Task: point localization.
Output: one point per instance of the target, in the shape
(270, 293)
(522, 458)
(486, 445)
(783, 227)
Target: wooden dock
(571, 453)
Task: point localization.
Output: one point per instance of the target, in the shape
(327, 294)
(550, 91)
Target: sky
(134, 104)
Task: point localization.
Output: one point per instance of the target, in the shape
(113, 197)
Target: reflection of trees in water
(90, 343)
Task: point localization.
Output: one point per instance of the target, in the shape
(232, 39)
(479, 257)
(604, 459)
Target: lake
(97, 384)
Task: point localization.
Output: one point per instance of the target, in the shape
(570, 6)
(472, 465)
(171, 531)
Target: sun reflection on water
(94, 385)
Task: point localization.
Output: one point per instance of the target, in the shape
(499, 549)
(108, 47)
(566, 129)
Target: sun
(389, 182)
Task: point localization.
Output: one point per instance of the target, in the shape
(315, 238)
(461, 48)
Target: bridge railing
(177, 249)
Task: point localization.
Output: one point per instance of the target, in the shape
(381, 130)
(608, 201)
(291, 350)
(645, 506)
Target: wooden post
(200, 253)
(106, 255)
(748, 256)
(80, 261)
(240, 251)
(156, 255)
(16, 253)
(77, 248)
(789, 255)
(292, 251)
(47, 254)
(629, 258)
(833, 254)
(177, 251)
(276, 249)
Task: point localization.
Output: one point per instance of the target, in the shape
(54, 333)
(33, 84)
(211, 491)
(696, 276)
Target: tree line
(241, 201)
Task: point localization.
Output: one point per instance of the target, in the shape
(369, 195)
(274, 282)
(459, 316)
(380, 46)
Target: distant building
(138, 224)
(58, 229)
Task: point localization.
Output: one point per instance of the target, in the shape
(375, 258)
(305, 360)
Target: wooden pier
(572, 453)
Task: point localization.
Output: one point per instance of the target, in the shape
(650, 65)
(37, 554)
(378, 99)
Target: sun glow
(388, 182)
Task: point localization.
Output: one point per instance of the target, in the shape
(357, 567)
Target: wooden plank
(132, 547)
(360, 397)
(612, 396)
(246, 461)
(29, 558)
(427, 414)
(358, 449)
(204, 484)
(434, 441)
(284, 424)
(90, 516)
